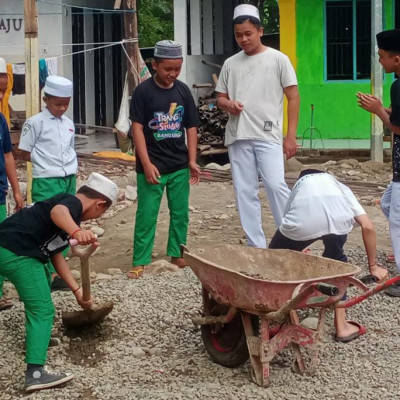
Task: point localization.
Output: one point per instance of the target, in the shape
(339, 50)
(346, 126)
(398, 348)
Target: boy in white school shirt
(321, 208)
(48, 140)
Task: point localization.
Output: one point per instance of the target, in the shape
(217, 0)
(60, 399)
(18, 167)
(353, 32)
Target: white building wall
(211, 37)
(55, 29)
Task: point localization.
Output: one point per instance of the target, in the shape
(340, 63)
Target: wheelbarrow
(246, 290)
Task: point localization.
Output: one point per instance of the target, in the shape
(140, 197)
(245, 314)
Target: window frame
(354, 38)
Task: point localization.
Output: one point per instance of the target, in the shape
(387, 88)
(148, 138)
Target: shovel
(85, 318)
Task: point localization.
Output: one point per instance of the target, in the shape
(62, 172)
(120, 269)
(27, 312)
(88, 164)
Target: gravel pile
(148, 348)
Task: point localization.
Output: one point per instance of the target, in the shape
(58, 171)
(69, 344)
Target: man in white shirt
(321, 208)
(251, 88)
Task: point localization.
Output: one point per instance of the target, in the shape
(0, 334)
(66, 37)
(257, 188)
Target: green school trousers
(32, 281)
(149, 200)
(3, 215)
(44, 188)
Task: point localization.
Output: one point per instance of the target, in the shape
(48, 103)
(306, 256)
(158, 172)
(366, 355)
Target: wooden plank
(202, 85)
(195, 27)
(208, 27)
(213, 152)
(32, 92)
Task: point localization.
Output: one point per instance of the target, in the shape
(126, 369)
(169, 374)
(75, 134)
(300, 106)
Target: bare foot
(390, 258)
(136, 272)
(179, 261)
(378, 271)
(349, 331)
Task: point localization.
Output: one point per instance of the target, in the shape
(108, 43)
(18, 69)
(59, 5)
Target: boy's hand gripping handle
(84, 255)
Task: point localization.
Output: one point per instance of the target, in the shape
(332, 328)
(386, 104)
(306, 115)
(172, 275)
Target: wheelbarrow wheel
(226, 343)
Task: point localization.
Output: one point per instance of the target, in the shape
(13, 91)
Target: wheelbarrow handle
(328, 289)
(368, 293)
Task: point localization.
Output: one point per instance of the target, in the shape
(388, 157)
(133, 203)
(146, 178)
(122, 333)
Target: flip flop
(135, 273)
(362, 330)
(369, 279)
(390, 259)
(5, 304)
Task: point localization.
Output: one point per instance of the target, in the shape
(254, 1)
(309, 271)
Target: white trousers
(249, 160)
(390, 204)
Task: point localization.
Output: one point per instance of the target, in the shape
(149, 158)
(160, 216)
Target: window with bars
(348, 39)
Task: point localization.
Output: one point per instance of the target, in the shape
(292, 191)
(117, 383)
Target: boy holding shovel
(28, 239)
(48, 140)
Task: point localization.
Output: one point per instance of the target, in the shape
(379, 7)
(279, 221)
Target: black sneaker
(53, 342)
(393, 290)
(40, 378)
(58, 284)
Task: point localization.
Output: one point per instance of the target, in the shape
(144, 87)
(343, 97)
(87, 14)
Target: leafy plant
(155, 21)
(269, 12)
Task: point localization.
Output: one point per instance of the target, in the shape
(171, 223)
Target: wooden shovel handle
(84, 255)
(85, 276)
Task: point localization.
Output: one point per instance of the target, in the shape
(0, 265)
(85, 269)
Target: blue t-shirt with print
(5, 147)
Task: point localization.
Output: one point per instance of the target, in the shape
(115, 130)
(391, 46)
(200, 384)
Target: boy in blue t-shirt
(162, 114)
(7, 170)
(389, 57)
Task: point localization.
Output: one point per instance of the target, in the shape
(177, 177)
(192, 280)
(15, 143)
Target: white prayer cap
(246, 10)
(58, 86)
(3, 66)
(102, 185)
(168, 49)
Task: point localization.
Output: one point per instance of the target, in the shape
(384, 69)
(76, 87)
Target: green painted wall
(336, 112)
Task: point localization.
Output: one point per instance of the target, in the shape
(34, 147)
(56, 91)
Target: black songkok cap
(389, 40)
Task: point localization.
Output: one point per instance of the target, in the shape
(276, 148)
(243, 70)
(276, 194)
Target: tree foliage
(155, 21)
(269, 12)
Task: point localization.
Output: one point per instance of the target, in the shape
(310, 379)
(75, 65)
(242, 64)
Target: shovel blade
(86, 318)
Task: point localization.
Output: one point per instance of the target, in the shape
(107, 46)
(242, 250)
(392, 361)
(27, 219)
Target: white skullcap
(168, 49)
(102, 185)
(58, 86)
(246, 10)
(3, 66)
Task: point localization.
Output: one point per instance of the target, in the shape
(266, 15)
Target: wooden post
(376, 82)
(32, 101)
(131, 32)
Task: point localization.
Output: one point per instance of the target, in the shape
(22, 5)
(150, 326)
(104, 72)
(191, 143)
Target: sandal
(135, 273)
(390, 258)
(5, 304)
(362, 330)
(369, 279)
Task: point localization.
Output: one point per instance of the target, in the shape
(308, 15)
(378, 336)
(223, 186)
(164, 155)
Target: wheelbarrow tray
(263, 280)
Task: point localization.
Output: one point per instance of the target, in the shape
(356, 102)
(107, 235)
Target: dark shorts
(333, 245)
